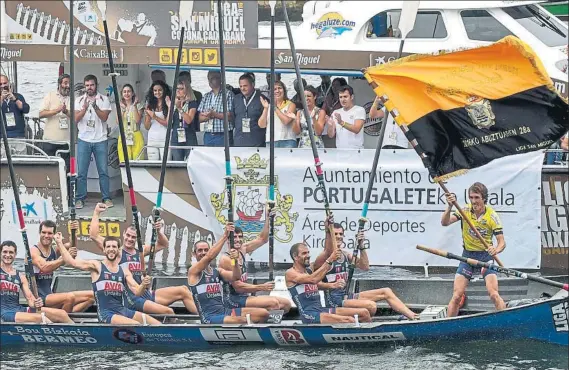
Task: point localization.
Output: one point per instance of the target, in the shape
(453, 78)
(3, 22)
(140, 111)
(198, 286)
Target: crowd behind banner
(338, 121)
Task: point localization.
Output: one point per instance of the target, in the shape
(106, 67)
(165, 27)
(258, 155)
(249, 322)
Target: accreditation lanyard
(247, 103)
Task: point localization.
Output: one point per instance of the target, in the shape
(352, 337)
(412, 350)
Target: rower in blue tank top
(338, 273)
(12, 282)
(132, 263)
(109, 281)
(205, 285)
(46, 260)
(303, 283)
(231, 297)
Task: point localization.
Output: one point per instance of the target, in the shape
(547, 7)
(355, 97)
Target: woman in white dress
(285, 114)
(156, 119)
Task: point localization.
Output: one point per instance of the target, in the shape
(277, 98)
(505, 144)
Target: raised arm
(447, 218)
(162, 241)
(328, 245)
(374, 111)
(363, 261)
(84, 265)
(201, 265)
(316, 277)
(263, 236)
(94, 225)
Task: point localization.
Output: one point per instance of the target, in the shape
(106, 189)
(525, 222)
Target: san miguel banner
(405, 207)
(131, 23)
(473, 106)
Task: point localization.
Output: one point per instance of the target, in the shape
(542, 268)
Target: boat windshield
(539, 23)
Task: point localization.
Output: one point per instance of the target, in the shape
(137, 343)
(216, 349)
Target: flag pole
(133, 204)
(317, 164)
(72, 128)
(156, 210)
(271, 202)
(228, 178)
(22, 222)
(427, 163)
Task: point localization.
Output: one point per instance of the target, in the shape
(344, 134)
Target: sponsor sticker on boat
(288, 337)
(560, 315)
(52, 335)
(225, 335)
(128, 336)
(332, 25)
(363, 337)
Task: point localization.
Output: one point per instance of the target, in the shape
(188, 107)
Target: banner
(554, 220)
(473, 106)
(131, 23)
(405, 207)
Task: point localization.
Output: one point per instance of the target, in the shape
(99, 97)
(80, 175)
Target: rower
(11, 282)
(486, 220)
(337, 297)
(46, 260)
(205, 285)
(303, 281)
(157, 301)
(238, 293)
(108, 281)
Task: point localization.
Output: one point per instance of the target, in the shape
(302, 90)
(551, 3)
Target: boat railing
(25, 148)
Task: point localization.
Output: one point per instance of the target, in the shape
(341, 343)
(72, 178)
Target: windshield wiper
(546, 21)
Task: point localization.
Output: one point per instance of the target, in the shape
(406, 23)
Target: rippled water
(457, 356)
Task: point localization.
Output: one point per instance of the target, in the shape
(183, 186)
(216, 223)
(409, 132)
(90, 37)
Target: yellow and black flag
(470, 107)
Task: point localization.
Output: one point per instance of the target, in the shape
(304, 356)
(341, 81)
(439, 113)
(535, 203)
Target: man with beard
(205, 285)
(238, 293)
(11, 283)
(303, 282)
(55, 110)
(247, 109)
(486, 220)
(91, 113)
(46, 260)
(338, 271)
(109, 281)
(149, 301)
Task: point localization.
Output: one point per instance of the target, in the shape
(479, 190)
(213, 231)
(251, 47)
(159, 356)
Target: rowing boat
(544, 320)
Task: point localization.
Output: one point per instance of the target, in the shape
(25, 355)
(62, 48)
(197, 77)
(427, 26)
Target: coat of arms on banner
(480, 112)
(250, 194)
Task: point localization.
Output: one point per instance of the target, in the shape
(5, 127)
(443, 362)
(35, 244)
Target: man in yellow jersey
(486, 220)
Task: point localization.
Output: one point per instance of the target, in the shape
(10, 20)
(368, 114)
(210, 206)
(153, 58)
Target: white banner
(405, 206)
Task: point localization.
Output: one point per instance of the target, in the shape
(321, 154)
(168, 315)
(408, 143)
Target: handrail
(161, 147)
(26, 144)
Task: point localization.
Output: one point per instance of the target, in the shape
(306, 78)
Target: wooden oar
(22, 222)
(317, 164)
(134, 207)
(72, 128)
(228, 178)
(491, 266)
(156, 210)
(271, 201)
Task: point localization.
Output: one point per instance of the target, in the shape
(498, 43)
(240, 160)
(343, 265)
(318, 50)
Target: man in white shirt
(91, 113)
(55, 110)
(347, 123)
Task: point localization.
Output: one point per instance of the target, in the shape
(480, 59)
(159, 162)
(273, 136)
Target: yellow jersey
(488, 224)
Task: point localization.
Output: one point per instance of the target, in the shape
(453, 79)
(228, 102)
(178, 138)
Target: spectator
(91, 114)
(158, 75)
(247, 110)
(300, 126)
(393, 138)
(265, 90)
(187, 76)
(185, 120)
(156, 119)
(565, 142)
(331, 103)
(211, 111)
(285, 113)
(55, 109)
(297, 99)
(14, 107)
(323, 90)
(131, 111)
(347, 123)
